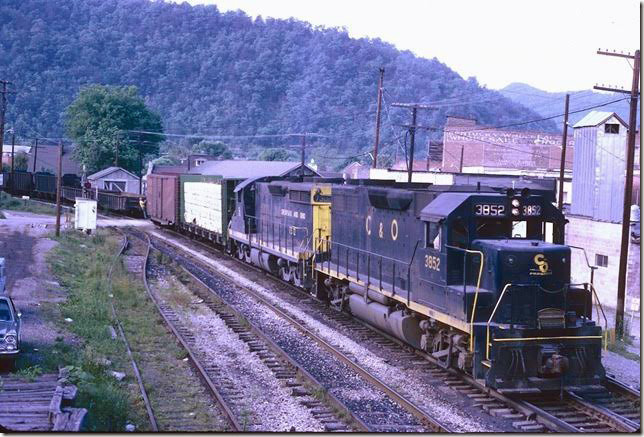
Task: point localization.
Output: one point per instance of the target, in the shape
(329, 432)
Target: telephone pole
(628, 187)
(303, 156)
(412, 130)
(375, 146)
(58, 186)
(563, 153)
(3, 107)
(460, 165)
(35, 155)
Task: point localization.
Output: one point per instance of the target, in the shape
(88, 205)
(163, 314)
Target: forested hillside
(227, 74)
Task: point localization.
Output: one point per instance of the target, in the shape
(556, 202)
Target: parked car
(9, 329)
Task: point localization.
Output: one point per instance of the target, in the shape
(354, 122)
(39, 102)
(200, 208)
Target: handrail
(478, 286)
(605, 336)
(487, 341)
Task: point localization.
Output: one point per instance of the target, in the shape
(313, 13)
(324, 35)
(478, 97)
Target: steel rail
(408, 405)
(139, 379)
(302, 373)
(193, 359)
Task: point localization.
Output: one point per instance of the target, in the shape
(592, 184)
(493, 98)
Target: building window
(611, 128)
(601, 260)
(199, 161)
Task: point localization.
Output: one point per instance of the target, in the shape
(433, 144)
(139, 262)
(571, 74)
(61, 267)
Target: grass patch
(80, 264)
(620, 348)
(16, 204)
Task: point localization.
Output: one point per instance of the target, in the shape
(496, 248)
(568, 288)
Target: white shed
(115, 179)
(599, 166)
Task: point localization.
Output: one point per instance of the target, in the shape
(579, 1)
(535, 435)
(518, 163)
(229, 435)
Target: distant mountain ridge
(548, 104)
(217, 73)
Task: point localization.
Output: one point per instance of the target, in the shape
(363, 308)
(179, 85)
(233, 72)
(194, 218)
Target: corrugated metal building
(599, 166)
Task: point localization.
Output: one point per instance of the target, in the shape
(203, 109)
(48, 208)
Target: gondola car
(477, 277)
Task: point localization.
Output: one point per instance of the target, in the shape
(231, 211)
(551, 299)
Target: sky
(548, 44)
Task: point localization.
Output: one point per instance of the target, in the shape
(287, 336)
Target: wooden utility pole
(13, 156)
(35, 155)
(58, 186)
(375, 146)
(563, 153)
(460, 165)
(628, 187)
(3, 107)
(303, 155)
(116, 154)
(140, 164)
(412, 131)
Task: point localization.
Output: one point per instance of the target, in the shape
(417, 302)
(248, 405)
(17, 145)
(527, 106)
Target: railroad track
(185, 339)
(366, 419)
(612, 408)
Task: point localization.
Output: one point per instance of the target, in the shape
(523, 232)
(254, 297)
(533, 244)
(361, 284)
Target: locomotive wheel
(285, 274)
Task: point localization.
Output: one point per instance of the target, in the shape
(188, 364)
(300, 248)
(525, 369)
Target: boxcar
(162, 196)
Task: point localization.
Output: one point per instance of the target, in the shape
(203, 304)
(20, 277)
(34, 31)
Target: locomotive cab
(531, 328)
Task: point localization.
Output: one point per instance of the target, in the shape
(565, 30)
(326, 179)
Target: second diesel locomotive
(479, 278)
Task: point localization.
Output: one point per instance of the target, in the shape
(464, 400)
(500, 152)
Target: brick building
(487, 148)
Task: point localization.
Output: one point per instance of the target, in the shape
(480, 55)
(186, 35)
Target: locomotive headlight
(515, 203)
(10, 339)
(515, 211)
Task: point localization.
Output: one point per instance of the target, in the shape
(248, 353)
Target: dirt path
(24, 245)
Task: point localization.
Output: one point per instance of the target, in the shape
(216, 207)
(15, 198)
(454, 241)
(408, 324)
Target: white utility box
(85, 214)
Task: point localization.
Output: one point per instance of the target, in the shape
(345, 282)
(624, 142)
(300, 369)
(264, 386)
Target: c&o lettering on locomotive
(543, 268)
(368, 225)
(394, 229)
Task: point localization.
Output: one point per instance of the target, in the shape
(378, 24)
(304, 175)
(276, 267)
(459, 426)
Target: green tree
(22, 160)
(99, 119)
(276, 154)
(217, 149)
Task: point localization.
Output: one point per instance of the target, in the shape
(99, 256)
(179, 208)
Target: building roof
(47, 160)
(595, 118)
(238, 169)
(109, 170)
(17, 148)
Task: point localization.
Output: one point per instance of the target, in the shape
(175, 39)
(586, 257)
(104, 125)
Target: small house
(115, 179)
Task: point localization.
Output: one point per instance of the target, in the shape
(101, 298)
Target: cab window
(458, 234)
(432, 235)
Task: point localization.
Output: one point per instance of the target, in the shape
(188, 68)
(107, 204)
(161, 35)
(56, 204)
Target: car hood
(7, 326)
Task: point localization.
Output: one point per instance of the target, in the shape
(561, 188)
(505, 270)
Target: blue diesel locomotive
(477, 277)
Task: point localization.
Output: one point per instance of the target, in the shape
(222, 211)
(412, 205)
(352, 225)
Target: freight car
(477, 277)
(45, 184)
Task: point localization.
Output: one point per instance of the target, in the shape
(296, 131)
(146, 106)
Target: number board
(489, 210)
(531, 210)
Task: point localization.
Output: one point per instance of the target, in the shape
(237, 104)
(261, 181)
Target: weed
(15, 204)
(621, 348)
(30, 373)
(319, 393)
